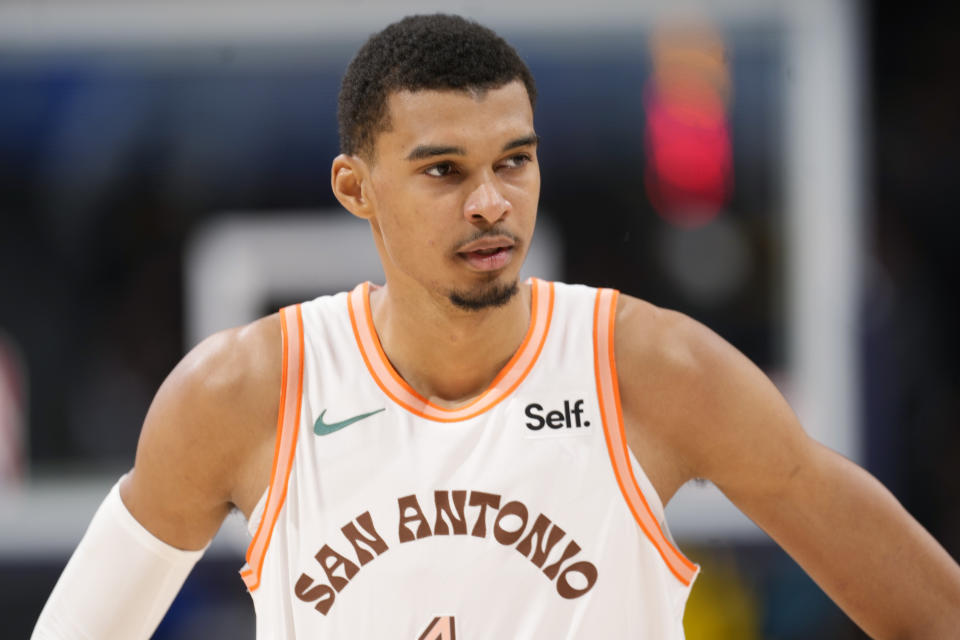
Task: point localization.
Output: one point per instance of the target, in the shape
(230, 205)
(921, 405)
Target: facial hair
(491, 296)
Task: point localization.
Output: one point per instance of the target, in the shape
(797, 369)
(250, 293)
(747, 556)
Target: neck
(445, 354)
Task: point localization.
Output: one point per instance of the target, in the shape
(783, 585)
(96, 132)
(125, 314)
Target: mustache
(480, 234)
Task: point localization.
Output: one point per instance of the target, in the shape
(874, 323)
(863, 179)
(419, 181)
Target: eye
(517, 161)
(440, 170)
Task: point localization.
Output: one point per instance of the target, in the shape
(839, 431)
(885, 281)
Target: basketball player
(460, 454)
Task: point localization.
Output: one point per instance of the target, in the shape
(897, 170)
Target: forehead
(467, 119)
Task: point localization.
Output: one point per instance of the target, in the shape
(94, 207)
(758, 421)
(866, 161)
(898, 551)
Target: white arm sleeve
(119, 582)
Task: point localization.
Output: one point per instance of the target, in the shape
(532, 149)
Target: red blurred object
(689, 159)
(689, 171)
(13, 403)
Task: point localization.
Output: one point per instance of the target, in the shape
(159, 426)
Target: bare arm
(695, 407)
(206, 445)
(207, 440)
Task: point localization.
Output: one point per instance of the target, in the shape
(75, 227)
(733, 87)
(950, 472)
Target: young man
(457, 452)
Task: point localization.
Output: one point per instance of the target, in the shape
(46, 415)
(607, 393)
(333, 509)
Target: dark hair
(421, 52)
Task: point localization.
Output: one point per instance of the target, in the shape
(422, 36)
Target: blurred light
(709, 263)
(689, 170)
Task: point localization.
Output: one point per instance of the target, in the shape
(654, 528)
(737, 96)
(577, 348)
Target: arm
(201, 451)
(207, 441)
(718, 417)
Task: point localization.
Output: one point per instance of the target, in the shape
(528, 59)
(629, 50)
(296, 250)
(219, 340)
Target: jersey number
(440, 628)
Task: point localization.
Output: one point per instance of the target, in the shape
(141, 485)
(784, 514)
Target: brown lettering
(324, 556)
(306, 591)
(539, 530)
(584, 568)
(513, 508)
(483, 500)
(459, 521)
(423, 530)
(572, 549)
(372, 539)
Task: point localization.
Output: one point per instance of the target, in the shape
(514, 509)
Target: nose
(486, 204)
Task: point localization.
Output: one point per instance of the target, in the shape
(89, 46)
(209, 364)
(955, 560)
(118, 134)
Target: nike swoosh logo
(322, 428)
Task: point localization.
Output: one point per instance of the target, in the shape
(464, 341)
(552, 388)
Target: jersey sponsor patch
(555, 415)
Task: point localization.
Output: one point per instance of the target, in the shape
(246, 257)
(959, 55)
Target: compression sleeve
(119, 582)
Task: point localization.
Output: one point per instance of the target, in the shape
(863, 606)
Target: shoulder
(664, 350)
(696, 400)
(207, 433)
(229, 369)
(661, 359)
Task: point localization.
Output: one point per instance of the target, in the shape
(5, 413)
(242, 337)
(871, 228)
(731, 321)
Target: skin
(450, 166)
(421, 211)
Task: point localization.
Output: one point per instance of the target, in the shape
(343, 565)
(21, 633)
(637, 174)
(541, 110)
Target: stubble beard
(489, 296)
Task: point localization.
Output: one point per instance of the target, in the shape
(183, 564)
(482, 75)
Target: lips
(488, 254)
(488, 244)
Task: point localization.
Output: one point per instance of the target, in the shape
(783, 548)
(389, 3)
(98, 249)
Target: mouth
(488, 254)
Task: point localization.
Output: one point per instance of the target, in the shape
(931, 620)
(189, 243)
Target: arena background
(152, 153)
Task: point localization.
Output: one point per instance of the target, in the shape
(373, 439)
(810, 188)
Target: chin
(488, 295)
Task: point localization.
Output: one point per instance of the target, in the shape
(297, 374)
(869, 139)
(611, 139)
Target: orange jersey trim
(397, 389)
(288, 421)
(605, 367)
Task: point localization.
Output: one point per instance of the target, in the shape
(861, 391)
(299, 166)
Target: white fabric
(491, 589)
(257, 514)
(119, 582)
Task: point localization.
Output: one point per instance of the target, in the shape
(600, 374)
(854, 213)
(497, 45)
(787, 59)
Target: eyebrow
(533, 139)
(424, 151)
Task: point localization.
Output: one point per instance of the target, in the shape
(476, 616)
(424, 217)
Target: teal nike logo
(321, 428)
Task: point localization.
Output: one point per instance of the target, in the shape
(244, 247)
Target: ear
(349, 179)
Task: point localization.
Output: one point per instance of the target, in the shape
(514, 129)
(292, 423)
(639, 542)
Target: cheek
(407, 236)
(526, 191)
(416, 222)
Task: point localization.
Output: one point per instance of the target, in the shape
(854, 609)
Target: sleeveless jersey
(521, 514)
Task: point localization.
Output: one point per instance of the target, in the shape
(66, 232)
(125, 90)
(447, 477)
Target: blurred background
(784, 172)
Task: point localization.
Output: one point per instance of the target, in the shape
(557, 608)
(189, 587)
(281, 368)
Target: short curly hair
(421, 53)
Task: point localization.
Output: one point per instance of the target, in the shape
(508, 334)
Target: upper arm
(709, 412)
(206, 435)
(702, 407)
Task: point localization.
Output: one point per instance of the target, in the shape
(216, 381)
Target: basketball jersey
(521, 514)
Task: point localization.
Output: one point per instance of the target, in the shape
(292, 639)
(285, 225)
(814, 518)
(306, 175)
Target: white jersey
(521, 514)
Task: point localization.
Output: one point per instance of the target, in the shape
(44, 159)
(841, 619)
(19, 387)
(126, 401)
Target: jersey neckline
(397, 389)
